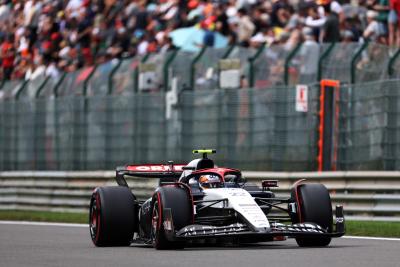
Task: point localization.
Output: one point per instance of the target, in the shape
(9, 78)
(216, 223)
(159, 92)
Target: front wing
(241, 230)
(199, 231)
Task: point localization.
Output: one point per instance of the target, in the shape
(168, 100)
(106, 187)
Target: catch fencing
(364, 195)
(120, 111)
(253, 129)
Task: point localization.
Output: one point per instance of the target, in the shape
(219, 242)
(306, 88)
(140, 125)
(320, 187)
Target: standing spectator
(4, 11)
(372, 31)
(280, 13)
(7, 55)
(393, 24)
(32, 12)
(222, 24)
(330, 31)
(36, 70)
(314, 20)
(309, 53)
(382, 7)
(245, 27)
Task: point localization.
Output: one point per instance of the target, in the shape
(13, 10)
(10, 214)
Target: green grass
(367, 228)
(357, 228)
(44, 216)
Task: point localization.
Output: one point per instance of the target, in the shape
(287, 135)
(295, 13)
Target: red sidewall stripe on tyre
(159, 211)
(296, 187)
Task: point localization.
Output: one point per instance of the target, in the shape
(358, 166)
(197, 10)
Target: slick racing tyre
(112, 216)
(315, 207)
(176, 199)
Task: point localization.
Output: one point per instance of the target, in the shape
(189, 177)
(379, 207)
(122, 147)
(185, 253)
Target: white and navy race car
(200, 202)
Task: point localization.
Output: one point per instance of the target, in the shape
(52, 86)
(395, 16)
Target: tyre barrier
(364, 195)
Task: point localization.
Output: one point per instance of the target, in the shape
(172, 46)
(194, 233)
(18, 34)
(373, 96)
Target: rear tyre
(112, 216)
(176, 199)
(315, 206)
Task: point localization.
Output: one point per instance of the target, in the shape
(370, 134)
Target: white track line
(44, 223)
(372, 238)
(85, 225)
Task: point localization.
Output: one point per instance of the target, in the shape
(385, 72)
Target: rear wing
(165, 172)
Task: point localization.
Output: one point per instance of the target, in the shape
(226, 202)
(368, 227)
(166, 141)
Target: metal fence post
(136, 73)
(15, 139)
(37, 126)
(20, 89)
(167, 63)
(323, 56)
(251, 64)
(193, 67)
(41, 87)
(135, 110)
(83, 144)
(354, 61)
(221, 98)
(57, 85)
(289, 58)
(109, 110)
(391, 63)
(56, 117)
(224, 56)
(85, 82)
(228, 51)
(111, 76)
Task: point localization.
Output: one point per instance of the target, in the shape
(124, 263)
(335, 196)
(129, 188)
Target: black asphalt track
(33, 245)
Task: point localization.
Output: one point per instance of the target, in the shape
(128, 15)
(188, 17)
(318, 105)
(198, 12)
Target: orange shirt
(8, 58)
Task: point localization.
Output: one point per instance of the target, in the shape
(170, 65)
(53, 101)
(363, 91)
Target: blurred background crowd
(49, 36)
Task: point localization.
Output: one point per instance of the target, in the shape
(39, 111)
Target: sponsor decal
(339, 220)
(299, 227)
(154, 168)
(195, 230)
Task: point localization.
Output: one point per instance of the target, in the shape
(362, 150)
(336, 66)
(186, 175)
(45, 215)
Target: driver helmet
(210, 181)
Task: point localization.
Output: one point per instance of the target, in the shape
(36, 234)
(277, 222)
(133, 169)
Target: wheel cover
(154, 221)
(94, 219)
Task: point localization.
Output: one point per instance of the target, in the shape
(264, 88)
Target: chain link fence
(50, 124)
(368, 126)
(206, 69)
(252, 129)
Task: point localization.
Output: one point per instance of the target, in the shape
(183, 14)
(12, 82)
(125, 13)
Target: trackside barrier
(365, 195)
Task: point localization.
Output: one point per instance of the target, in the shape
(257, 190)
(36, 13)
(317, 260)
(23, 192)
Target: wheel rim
(94, 219)
(154, 221)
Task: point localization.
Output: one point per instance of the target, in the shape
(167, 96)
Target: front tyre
(315, 206)
(112, 216)
(176, 199)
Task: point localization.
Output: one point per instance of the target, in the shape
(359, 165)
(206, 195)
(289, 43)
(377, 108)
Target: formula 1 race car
(201, 202)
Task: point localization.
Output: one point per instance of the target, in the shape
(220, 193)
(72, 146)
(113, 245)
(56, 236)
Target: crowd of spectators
(49, 36)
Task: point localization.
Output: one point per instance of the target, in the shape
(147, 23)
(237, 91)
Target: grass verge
(43, 216)
(368, 228)
(356, 228)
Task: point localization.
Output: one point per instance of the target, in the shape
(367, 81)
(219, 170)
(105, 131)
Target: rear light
(269, 183)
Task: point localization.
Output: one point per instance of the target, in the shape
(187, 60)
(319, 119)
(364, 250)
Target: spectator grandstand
(53, 36)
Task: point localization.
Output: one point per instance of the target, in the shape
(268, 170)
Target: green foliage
(368, 228)
(44, 216)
